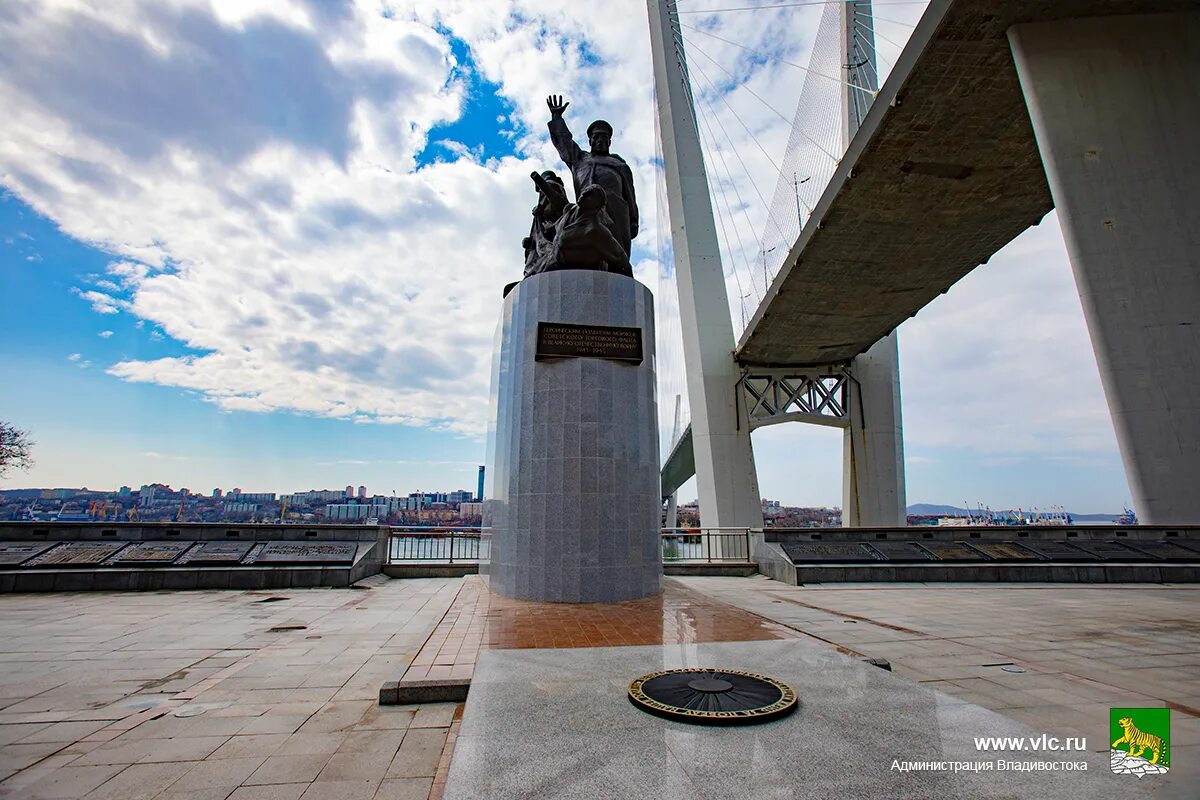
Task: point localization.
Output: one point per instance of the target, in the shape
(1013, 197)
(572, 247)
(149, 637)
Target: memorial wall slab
(1111, 551)
(1004, 551)
(901, 552)
(151, 553)
(836, 552)
(78, 554)
(1168, 551)
(217, 553)
(307, 553)
(953, 551)
(1057, 551)
(14, 553)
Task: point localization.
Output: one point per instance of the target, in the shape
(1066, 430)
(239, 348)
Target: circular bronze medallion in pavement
(712, 696)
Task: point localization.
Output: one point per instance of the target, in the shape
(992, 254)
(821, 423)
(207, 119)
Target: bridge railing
(436, 545)
(705, 545)
(461, 545)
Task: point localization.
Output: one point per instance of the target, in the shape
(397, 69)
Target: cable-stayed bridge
(993, 112)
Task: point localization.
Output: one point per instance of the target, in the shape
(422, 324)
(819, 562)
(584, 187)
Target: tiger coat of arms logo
(1141, 740)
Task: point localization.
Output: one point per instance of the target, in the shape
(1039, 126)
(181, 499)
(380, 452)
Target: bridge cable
(878, 34)
(737, 193)
(775, 58)
(717, 198)
(802, 5)
(695, 48)
(712, 109)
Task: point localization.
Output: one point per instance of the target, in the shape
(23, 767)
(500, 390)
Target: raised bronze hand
(556, 105)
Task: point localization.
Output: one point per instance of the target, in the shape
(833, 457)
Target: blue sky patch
(488, 127)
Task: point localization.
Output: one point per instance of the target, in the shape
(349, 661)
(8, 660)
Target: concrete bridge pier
(1116, 111)
(873, 443)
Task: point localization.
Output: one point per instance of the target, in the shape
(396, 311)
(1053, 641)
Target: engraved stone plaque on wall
(13, 553)
(1168, 551)
(212, 553)
(953, 551)
(1004, 551)
(1110, 551)
(1057, 551)
(78, 554)
(150, 553)
(563, 340)
(901, 551)
(833, 552)
(307, 553)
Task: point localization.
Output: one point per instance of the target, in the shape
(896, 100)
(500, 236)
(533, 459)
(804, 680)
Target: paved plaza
(242, 694)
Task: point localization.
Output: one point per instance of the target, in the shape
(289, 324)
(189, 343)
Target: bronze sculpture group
(596, 231)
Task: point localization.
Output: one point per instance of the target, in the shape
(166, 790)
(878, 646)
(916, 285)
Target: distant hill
(932, 509)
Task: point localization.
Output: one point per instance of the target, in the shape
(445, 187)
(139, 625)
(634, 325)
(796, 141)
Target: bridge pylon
(1115, 111)
(873, 444)
(724, 462)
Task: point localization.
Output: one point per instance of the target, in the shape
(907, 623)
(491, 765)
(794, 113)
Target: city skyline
(208, 294)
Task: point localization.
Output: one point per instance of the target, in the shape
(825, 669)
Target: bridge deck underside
(932, 186)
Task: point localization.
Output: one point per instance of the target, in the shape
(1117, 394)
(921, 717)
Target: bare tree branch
(15, 448)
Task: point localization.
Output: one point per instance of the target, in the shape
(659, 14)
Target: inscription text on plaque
(563, 340)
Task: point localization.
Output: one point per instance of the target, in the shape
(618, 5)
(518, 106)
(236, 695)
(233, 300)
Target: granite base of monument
(573, 512)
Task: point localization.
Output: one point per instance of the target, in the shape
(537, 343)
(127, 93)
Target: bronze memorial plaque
(562, 340)
(78, 554)
(13, 553)
(152, 553)
(217, 553)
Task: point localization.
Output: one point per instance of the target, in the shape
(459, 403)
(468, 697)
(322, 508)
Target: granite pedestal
(573, 508)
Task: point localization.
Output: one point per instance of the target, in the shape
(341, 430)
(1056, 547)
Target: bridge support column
(725, 476)
(873, 444)
(1114, 106)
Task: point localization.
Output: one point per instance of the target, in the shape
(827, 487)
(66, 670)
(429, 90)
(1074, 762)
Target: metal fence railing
(705, 545)
(417, 544)
(431, 544)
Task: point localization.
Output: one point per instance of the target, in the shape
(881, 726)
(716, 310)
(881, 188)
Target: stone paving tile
(228, 773)
(287, 769)
(68, 782)
(181, 749)
(404, 789)
(250, 746)
(419, 754)
(139, 782)
(20, 732)
(342, 790)
(387, 718)
(437, 715)
(313, 744)
(286, 791)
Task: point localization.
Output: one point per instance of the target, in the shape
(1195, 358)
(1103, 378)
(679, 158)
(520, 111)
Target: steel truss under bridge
(793, 396)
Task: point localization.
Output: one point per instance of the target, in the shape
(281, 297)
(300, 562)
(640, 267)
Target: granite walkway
(211, 695)
(1072, 652)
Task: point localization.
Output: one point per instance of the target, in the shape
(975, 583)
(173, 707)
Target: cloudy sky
(261, 243)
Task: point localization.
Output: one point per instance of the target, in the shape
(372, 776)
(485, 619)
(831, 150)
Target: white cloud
(105, 334)
(74, 357)
(101, 303)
